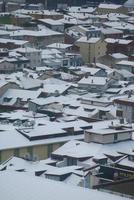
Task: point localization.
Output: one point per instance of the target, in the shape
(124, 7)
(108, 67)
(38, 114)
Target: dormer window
(131, 157)
(6, 99)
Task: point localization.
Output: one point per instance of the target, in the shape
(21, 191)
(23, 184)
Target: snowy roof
(62, 170)
(126, 62)
(59, 46)
(78, 149)
(52, 88)
(18, 93)
(12, 139)
(102, 66)
(129, 3)
(51, 21)
(110, 31)
(88, 40)
(28, 83)
(16, 185)
(109, 6)
(93, 80)
(53, 129)
(126, 162)
(2, 83)
(119, 56)
(119, 41)
(91, 70)
(41, 33)
(20, 115)
(125, 73)
(120, 25)
(76, 9)
(27, 50)
(16, 42)
(16, 163)
(37, 12)
(111, 130)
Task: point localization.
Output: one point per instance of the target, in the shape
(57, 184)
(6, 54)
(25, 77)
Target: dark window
(115, 137)
(119, 113)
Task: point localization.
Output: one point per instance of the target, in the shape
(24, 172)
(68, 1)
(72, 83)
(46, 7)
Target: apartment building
(91, 48)
(104, 8)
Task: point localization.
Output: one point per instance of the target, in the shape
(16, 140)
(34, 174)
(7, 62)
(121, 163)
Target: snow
(41, 33)
(77, 149)
(119, 41)
(73, 179)
(62, 170)
(12, 140)
(109, 6)
(92, 80)
(16, 185)
(51, 21)
(18, 93)
(129, 3)
(88, 40)
(76, 9)
(119, 56)
(16, 42)
(126, 62)
(59, 46)
(126, 162)
(120, 25)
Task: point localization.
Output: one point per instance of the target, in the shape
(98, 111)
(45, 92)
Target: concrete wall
(92, 51)
(128, 112)
(8, 86)
(41, 151)
(104, 11)
(107, 138)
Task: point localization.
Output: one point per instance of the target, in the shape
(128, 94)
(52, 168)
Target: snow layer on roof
(28, 83)
(129, 3)
(11, 140)
(59, 45)
(18, 93)
(16, 42)
(79, 149)
(119, 55)
(126, 62)
(16, 185)
(51, 21)
(92, 80)
(119, 41)
(41, 33)
(88, 40)
(109, 6)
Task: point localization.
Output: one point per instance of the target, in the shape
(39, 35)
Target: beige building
(112, 134)
(39, 141)
(104, 9)
(91, 48)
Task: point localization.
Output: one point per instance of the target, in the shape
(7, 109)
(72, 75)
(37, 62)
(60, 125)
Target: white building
(34, 56)
(129, 5)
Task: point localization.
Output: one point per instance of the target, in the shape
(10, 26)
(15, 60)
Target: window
(16, 152)
(65, 62)
(115, 137)
(131, 158)
(49, 150)
(119, 113)
(30, 151)
(6, 99)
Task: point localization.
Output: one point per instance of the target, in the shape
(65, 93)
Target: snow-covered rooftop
(16, 185)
